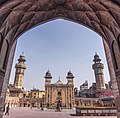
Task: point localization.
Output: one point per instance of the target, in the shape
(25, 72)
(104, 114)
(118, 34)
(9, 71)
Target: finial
(23, 53)
(48, 70)
(95, 53)
(69, 69)
(59, 78)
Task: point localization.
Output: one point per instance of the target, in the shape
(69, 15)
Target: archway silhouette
(17, 17)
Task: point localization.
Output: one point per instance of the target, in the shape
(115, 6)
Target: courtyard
(36, 113)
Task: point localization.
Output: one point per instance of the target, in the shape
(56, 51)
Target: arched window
(114, 54)
(59, 93)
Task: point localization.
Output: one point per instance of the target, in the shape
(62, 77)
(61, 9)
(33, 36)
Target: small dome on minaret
(70, 74)
(48, 74)
(96, 58)
(21, 62)
(22, 58)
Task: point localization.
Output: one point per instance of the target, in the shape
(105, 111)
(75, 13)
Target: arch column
(114, 76)
(115, 54)
(3, 53)
(117, 72)
(115, 51)
(2, 74)
(111, 69)
(3, 61)
(4, 77)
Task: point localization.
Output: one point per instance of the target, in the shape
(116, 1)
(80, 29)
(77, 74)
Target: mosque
(64, 94)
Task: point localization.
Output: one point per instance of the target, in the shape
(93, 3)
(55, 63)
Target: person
(58, 107)
(7, 110)
(31, 106)
(4, 108)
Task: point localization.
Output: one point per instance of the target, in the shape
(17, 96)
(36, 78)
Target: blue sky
(59, 45)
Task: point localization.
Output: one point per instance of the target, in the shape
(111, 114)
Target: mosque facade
(58, 92)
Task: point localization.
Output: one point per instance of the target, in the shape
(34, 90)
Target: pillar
(111, 69)
(4, 76)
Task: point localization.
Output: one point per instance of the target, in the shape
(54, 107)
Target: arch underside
(18, 16)
(4, 1)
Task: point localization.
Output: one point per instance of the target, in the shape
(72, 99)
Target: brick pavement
(36, 113)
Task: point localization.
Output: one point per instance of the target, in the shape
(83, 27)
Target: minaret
(19, 74)
(48, 95)
(70, 90)
(98, 71)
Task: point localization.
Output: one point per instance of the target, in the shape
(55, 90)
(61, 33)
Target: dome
(96, 57)
(22, 57)
(70, 73)
(48, 73)
(59, 82)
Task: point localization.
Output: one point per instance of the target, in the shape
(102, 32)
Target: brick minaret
(19, 74)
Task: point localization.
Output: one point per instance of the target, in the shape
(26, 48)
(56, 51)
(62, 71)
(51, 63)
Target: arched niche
(4, 54)
(118, 40)
(116, 55)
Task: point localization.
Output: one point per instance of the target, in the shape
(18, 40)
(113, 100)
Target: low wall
(96, 111)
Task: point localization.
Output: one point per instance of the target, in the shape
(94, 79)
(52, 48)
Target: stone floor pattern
(36, 113)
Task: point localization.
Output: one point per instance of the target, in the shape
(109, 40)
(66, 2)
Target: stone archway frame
(102, 16)
(18, 16)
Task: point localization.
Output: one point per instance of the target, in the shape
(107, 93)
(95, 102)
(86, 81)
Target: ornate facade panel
(59, 92)
(64, 95)
(54, 96)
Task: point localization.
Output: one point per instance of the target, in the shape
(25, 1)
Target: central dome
(59, 82)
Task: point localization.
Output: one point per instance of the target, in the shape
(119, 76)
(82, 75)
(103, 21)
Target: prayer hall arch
(18, 16)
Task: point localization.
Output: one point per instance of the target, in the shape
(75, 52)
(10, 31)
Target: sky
(59, 46)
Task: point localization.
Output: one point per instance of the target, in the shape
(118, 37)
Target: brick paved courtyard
(36, 113)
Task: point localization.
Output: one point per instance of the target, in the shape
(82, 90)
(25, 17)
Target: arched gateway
(18, 16)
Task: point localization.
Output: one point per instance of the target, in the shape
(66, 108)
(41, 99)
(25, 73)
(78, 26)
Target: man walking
(7, 110)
